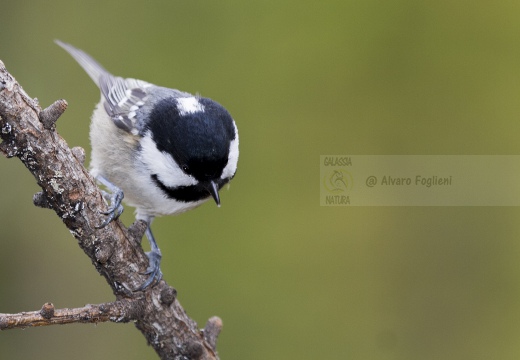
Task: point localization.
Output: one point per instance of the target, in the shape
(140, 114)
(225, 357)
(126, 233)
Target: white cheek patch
(231, 166)
(189, 105)
(163, 165)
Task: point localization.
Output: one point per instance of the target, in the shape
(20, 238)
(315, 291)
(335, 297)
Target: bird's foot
(114, 197)
(154, 269)
(154, 261)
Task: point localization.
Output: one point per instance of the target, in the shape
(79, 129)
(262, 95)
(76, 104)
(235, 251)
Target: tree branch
(28, 132)
(117, 311)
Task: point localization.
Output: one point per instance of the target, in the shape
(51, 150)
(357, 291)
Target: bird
(160, 150)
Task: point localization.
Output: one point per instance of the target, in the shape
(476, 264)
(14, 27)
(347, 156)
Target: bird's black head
(197, 133)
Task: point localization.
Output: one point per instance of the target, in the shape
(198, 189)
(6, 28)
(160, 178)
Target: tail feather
(91, 66)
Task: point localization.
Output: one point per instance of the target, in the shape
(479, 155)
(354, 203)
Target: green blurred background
(290, 279)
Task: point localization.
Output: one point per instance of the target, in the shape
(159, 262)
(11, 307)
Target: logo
(337, 181)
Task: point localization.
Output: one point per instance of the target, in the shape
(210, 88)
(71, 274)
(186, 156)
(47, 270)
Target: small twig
(118, 311)
(50, 115)
(212, 330)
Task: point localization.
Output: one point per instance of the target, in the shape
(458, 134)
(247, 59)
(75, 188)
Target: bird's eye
(185, 168)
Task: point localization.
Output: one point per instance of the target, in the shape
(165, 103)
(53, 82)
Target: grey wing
(123, 97)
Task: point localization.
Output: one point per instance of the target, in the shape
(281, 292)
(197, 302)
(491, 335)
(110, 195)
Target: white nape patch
(231, 166)
(163, 165)
(189, 105)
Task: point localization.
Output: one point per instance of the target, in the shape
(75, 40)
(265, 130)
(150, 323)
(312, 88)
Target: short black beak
(213, 190)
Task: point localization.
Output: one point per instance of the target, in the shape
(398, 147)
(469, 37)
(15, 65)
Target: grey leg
(154, 257)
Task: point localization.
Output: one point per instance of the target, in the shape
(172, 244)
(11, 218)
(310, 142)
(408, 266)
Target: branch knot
(50, 115)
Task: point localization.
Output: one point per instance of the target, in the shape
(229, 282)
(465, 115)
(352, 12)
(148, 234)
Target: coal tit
(166, 150)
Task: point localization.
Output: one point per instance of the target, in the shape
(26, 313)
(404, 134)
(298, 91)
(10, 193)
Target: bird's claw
(154, 270)
(115, 209)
